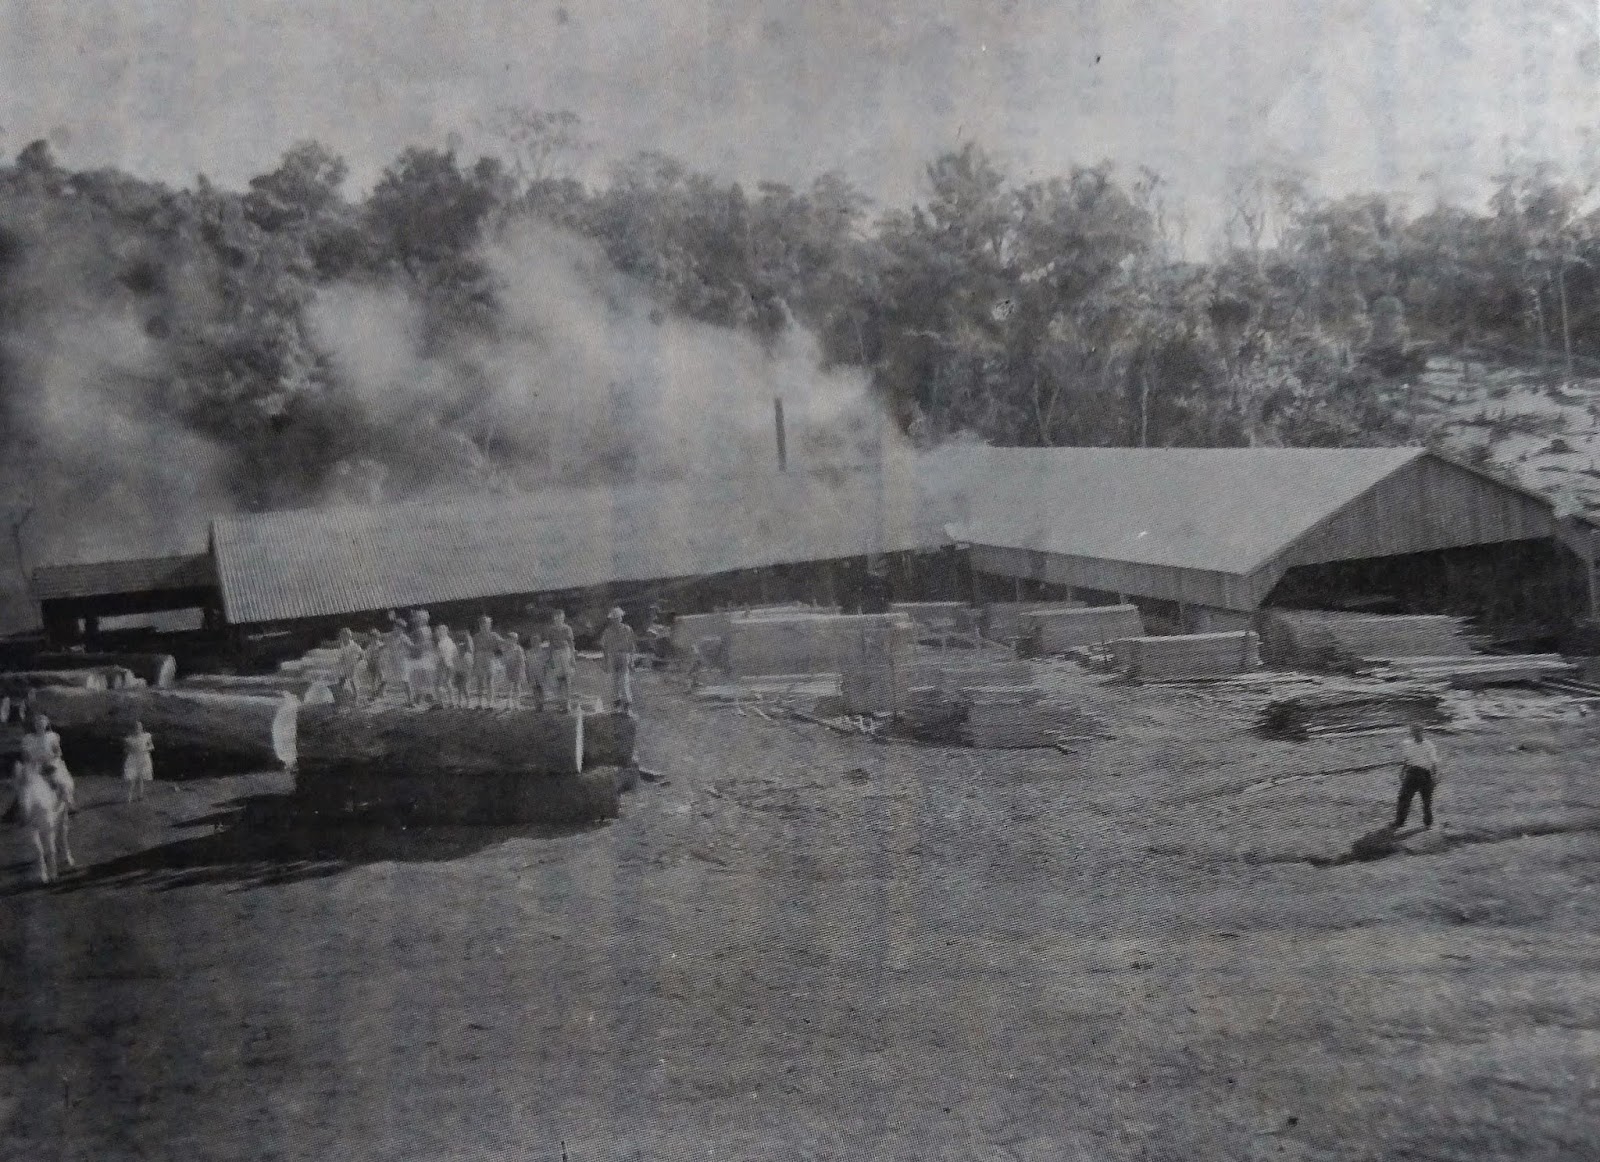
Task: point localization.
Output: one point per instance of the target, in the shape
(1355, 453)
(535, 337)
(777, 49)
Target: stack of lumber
(1319, 640)
(931, 715)
(689, 628)
(321, 664)
(1481, 670)
(811, 643)
(1002, 620)
(206, 730)
(1056, 631)
(1018, 717)
(1186, 656)
(1349, 711)
(882, 686)
(936, 618)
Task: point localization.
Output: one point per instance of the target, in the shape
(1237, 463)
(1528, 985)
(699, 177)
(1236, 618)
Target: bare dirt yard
(802, 945)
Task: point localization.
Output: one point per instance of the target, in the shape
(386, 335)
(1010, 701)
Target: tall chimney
(783, 451)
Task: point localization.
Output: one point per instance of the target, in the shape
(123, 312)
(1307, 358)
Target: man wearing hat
(617, 644)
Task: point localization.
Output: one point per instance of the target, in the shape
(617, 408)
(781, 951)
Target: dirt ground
(800, 945)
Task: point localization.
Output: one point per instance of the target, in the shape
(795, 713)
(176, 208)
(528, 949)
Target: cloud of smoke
(589, 382)
(87, 450)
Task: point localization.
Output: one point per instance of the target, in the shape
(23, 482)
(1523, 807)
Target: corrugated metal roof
(1224, 510)
(140, 575)
(315, 563)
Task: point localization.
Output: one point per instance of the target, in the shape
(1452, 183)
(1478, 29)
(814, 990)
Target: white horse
(43, 803)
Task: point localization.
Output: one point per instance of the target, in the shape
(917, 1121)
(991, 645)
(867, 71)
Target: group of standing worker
(484, 668)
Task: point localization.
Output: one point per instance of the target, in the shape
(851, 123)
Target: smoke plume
(587, 382)
(88, 454)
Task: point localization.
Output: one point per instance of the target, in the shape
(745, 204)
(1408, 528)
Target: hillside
(1544, 431)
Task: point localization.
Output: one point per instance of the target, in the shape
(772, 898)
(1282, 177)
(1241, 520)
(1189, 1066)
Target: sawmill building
(1201, 538)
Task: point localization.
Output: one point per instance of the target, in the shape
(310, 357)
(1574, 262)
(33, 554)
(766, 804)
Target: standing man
(1419, 775)
(563, 655)
(350, 658)
(617, 644)
(485, 646)
(516, 665)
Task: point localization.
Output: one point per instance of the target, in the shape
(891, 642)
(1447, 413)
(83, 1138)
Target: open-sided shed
(1220, 531)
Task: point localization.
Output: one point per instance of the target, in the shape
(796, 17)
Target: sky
(1425, 98)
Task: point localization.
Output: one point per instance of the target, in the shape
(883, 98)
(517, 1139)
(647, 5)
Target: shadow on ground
(266, 840)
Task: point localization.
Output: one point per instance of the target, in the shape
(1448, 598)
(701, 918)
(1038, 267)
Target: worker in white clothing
(563, 655)
(350, 657)
(618, 644)
(1419, 775)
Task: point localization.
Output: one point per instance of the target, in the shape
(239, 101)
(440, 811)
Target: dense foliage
(1046, 313)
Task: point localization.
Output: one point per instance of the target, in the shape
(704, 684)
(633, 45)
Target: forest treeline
(1028, 312)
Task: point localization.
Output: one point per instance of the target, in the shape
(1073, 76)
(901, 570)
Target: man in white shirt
(1419, 774)
(617, 643)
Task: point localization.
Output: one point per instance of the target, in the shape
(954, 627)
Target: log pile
(1186, 656)
(505, 798)
(440, 741)
(1058, 631)
(155, 670)
(1320, 713)
(267, 685)
(18, 683)
(193, 730)
(609, 740)
(447, 765)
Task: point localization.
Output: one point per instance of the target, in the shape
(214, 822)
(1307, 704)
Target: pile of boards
(1001, 621)
(1482, 670)
(1060, 631)
(1019, 717)
(1313, 640)
(1186, 656)
(1335, 712)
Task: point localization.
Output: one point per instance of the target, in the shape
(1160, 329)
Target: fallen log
(435, 797)
(17, 683)
(195, 730)
(439, 741)
(269, 685)
(157, 670)
(609, 740)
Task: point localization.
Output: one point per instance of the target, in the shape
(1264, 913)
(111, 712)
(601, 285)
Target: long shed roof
(282, 566)
(107, 578)
(1210, 525)
(1222, 510)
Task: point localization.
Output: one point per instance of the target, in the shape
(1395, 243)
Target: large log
(270, 685)
(157, 670)
(18, 682)
(609, 740)
(438, 740)
(438, 797)
(197, 731)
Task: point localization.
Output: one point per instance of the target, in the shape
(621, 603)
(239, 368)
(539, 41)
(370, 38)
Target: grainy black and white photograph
(927, 581)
